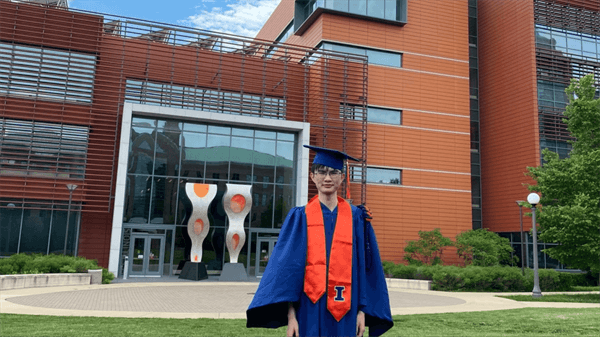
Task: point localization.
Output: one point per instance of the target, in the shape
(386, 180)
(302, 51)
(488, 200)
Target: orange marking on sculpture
(195, 258)
(198, 226)
(201, 190)
(236, 241)
(238, 202)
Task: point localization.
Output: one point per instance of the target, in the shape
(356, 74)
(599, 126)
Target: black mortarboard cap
(330, 158)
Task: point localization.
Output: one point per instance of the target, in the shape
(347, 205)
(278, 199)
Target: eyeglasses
(332, 173)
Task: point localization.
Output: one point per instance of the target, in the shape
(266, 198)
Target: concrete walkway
(213, 299)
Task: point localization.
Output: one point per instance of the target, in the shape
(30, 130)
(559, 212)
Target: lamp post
(534, 199)
(71, 188)
(520, 204)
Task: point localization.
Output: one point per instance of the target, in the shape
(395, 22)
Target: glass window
(284, 197)
(217, 156)
(36, 231)
(59, 227)
(386, 116)
(286, 136)
(219, 130)
(194, 154)
(589, 45)
(338, 5)
(378, 57)
(383, 176)
(384, 58)
(358, 7)
(376, 8)
(285, 162)
(194, 127)
(561, 41)
(168, 148)
(242, 132)
(164, 201)
(393, 10)
(574, 44)
(259, 157)
(265, 134)
(241, 157)
(137, 198)
(10, 225)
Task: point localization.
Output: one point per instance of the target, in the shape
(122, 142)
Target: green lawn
(586, 288)
(577, 298)
(518, 322)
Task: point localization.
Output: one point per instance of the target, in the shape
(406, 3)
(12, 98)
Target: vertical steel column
(365, 96)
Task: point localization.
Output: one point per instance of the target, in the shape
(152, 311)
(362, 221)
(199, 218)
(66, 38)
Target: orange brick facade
(509, 123)
(431, 147)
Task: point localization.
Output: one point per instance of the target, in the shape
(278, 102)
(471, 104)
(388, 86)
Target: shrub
(107, 276)
(490, 279)
(428, 249)
(17, 261)
(481, 247)
(405, 272)
(551, 280)
(39, 264)
(448, 279)
(388, 268)
(7, 269)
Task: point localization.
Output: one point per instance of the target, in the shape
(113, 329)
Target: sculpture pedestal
(233, 272)
(194, 271)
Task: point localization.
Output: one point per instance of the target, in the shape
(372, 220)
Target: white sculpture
(237, 202)
(201, 195)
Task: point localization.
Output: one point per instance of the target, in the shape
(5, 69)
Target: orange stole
(338, 279)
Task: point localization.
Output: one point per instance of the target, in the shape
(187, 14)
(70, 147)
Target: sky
(240, 17)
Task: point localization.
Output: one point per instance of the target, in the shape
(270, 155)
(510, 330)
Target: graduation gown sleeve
(373, 298)
(283, 280)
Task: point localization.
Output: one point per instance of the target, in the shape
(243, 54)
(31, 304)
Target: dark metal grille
(41, 149)
(46, 73)
(578, 15)
(186, 97)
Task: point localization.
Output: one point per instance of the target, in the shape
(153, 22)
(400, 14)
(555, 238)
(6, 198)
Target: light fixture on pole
(520, 204)
(71, 188)
(534, 199)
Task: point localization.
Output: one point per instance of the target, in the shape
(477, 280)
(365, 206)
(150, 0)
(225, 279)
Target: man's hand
(292, 330)
(360, 323)
(367, 215)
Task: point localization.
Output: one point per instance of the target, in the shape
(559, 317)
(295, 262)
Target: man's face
(327, 180)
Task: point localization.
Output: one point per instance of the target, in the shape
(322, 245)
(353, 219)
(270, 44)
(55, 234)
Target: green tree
(570, 187)
(428, 249)
(481, 247)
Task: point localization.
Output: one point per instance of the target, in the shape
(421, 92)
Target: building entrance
(146, 254)
(264, 249)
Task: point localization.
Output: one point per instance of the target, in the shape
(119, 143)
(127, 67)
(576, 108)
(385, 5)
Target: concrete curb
(9, 282)
(408, 284)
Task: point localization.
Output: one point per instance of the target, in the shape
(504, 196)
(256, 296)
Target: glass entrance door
(264, 249)
(146, 255)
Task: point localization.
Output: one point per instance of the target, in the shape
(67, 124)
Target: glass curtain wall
(474, 102)
(164, 155)
(393, 10)
(33, 228)
(544, 261)
(581, 48)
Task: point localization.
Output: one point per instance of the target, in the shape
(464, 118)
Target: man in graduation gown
(325, 276)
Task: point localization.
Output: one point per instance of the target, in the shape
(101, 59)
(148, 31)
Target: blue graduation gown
(283, 282)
